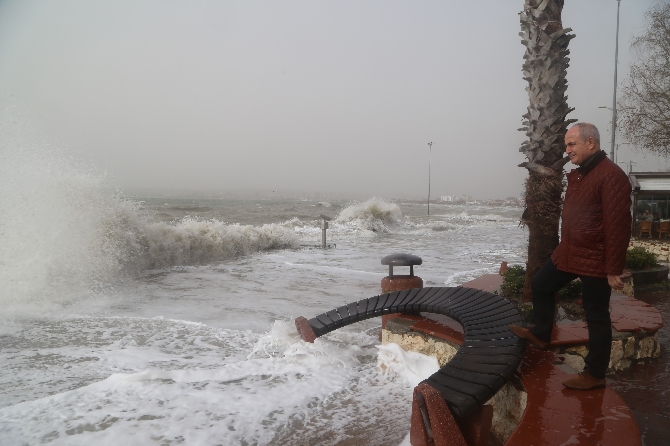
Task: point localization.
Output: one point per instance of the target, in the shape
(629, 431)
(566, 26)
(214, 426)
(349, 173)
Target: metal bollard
(324, 225)
(396, 282)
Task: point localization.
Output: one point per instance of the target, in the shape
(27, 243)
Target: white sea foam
(285, 391)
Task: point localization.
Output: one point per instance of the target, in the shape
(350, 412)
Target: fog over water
(333, 97)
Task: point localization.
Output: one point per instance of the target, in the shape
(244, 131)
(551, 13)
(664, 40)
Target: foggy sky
(328, 96)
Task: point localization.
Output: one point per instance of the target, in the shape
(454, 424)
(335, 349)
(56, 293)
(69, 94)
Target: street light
(630, 166)
(613, 110)
(616, 65)
(430, 149)
(616, 151)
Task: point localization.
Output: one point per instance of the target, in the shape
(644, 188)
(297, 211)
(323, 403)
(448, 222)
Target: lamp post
(616, 65)
(616, 151)
(613, 110)
(430, 149)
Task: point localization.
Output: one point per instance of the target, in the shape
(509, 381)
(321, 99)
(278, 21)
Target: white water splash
(412, 366)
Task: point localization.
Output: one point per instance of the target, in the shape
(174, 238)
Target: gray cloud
(338, 96)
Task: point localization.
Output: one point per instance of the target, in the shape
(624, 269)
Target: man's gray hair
(587, 130)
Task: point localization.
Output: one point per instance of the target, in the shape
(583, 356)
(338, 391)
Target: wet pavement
(645, 387)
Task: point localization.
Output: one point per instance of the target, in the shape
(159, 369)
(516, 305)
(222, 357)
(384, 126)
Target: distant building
(456, 198)
(651, 191)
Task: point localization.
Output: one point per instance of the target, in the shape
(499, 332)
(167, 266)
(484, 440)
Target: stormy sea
(166, 318)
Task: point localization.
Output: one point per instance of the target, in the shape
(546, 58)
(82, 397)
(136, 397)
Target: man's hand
(615, 282)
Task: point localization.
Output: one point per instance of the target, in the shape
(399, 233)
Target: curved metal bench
(487, 358)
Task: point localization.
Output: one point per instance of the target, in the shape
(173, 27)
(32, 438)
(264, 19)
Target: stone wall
(626, 347)
(397, 332)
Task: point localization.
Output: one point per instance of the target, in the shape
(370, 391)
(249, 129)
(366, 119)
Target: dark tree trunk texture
(545, 124)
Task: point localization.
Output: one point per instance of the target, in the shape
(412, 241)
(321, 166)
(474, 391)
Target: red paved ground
(644, 386)
(558, 416)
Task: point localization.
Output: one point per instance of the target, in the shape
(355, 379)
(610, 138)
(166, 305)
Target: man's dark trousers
(596, 301)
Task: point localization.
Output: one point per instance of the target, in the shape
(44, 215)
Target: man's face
(577, 149)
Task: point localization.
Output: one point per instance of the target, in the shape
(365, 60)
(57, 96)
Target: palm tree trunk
(545, 124)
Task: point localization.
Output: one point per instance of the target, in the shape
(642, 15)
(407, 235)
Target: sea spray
(62, 230)
(65, 233)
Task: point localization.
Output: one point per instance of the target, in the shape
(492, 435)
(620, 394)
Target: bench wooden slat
(490, 316)
(464, 298)
(492, 305)
(504, 334)
(478, 298)
(381, 303)
(363, 309)
(489, 359)
(335, 317)
(487, 330)
(325, 320)
(514, 350)
(391, 302)
(489, 369)
(477, 304)
(408, 298)
(459, 403)
(317, 326)
(436, 294)
(494, 382)
(502, 322)
(480, 392)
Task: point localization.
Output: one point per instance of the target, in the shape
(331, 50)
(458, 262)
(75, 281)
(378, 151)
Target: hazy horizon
(340, 98)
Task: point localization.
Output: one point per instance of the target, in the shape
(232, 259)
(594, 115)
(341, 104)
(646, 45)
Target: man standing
(595, 232)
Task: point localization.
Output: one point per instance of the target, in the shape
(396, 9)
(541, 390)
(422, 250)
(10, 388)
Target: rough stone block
(575, 362)
(657, 350)
(509, 405)
(580, 350)
(616, 354)
(419, 342)
(629, 347)
(645, 348)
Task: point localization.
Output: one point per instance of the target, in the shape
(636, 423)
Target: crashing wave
(376, 215)
(192, 241)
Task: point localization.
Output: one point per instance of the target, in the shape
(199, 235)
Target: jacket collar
(591, 162)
